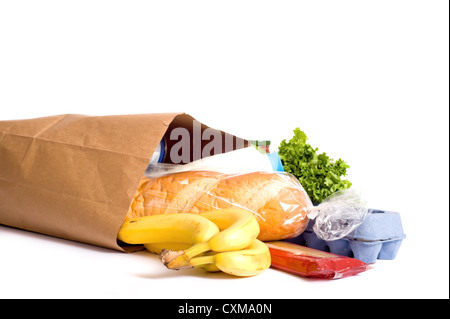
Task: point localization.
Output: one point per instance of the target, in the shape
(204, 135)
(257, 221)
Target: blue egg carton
(378, 237)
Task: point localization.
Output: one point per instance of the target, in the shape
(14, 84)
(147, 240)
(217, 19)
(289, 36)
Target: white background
(366, 80)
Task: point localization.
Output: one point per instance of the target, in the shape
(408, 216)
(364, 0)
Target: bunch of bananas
(217, 240)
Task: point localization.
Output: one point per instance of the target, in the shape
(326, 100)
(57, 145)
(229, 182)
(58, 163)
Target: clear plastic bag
(339, 214)
(245, 179)
(312, 263)
(277, 199)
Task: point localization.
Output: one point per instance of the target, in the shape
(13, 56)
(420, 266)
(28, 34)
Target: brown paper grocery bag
(74, 176)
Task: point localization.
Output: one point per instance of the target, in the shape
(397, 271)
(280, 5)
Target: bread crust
(277, 200)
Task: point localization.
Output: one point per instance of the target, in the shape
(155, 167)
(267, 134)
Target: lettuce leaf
(319, 175)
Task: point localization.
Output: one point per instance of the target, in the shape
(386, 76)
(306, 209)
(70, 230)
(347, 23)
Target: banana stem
(181, 259)
(168, 256)
(202, 260)
(197, 249)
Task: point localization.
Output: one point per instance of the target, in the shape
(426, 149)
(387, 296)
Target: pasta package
(312, 263)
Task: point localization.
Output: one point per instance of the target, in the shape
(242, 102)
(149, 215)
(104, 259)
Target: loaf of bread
(277, 200)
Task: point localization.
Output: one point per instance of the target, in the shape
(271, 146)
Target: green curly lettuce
(319, 175)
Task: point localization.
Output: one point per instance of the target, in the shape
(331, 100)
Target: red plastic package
(308, 262)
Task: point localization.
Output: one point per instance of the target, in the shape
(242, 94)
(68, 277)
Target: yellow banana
(250, 261)
(157, 248)
(238, 228)
(210, 268)
(168, 228)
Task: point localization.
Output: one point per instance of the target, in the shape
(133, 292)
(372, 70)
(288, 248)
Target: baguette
(277, 200)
